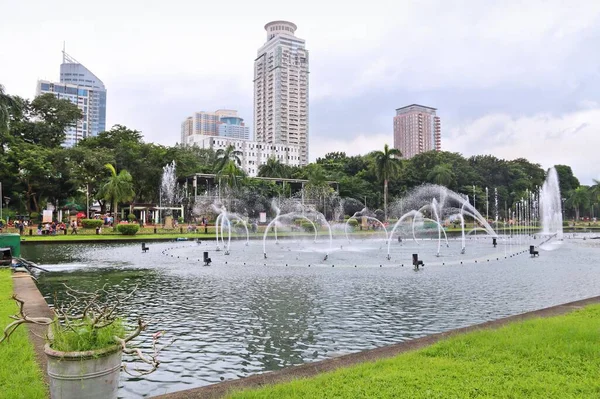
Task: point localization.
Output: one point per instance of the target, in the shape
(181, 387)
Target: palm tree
(441, 174)
(119, 188)
(231, 173)
(226, 155)
(273, 168)
(6, 103)
(388, 164)
(578, 198)
(595, 191)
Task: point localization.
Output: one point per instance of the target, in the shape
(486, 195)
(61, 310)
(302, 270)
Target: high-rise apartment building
(74, 73)
(417, 129)
(79, 96)
(281, 89)
(222, 122)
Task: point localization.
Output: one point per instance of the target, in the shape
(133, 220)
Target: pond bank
(522, 334)
(22, 359)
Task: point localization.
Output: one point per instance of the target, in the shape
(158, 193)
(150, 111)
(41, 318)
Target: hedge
(128, 229)
(352, 222)
(91, 223)
(307, 226)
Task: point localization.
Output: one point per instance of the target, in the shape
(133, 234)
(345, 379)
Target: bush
(353, 222)
(180, 219)
(34, 216)
(307, 226)
(131, 217)
(128, 229)
(2, 222)
(91, 223)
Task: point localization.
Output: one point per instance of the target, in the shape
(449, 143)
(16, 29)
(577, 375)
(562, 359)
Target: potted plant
(85, 343)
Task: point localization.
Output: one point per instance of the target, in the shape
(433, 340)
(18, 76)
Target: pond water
(246, 314)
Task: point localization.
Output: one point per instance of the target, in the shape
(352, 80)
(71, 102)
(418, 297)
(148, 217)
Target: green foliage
(541, 358)
(85, 337)
(307, 226)
(35, 216)
(566, 180)
(91, 223)
(131, 217)
(180, 219)
(118, 188)
(273, 168)
(128, 229)
(227, 156)
(20, 375)
(3, 222)
(353, 222)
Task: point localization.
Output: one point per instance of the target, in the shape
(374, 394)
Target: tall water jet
(551, 206)
(168, 193)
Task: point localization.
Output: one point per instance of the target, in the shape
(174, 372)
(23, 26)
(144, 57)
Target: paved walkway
(35, 306)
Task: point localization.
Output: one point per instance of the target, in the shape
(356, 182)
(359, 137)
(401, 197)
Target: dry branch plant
(88, 321)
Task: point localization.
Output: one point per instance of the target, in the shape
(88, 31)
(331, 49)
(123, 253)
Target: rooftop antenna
(67, 59)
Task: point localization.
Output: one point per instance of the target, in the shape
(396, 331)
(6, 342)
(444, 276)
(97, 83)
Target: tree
(88, 170)
(273, 168)
(442, 174)
(119, 188)
(231, 174)
(595, 191)
(566, 180)
(577, 199)
(7, 103)
(226, 155)
(387, 164)
(45, 120)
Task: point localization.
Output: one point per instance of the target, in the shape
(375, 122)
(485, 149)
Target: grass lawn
(556, 357)
(20, 375)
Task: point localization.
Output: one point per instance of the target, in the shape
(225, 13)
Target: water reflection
(232, 320)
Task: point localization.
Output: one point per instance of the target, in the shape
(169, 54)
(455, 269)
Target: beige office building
(417, 129)
(281, 89)
(211, 124)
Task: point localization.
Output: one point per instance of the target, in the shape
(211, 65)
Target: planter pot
(89, 374)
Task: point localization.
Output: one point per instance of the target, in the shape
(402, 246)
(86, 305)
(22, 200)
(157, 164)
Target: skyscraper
(80, 86)
(74, 73)
(77, 95)
(417, 129)
(281, 89)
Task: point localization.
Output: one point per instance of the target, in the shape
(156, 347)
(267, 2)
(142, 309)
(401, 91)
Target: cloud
(570, 139)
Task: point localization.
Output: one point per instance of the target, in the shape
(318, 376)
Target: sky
(509, 78)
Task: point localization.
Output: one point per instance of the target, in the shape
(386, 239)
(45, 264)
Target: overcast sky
(509, 78)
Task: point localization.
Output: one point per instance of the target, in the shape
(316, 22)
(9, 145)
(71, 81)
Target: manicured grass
(20, 375)
(556, 357)
(91, 236)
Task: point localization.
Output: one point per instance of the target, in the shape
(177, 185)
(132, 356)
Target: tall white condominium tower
(74, 73)
(417, 129)
(281, 89)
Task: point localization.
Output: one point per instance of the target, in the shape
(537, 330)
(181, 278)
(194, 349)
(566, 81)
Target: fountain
(550, 206)
(169, 193)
